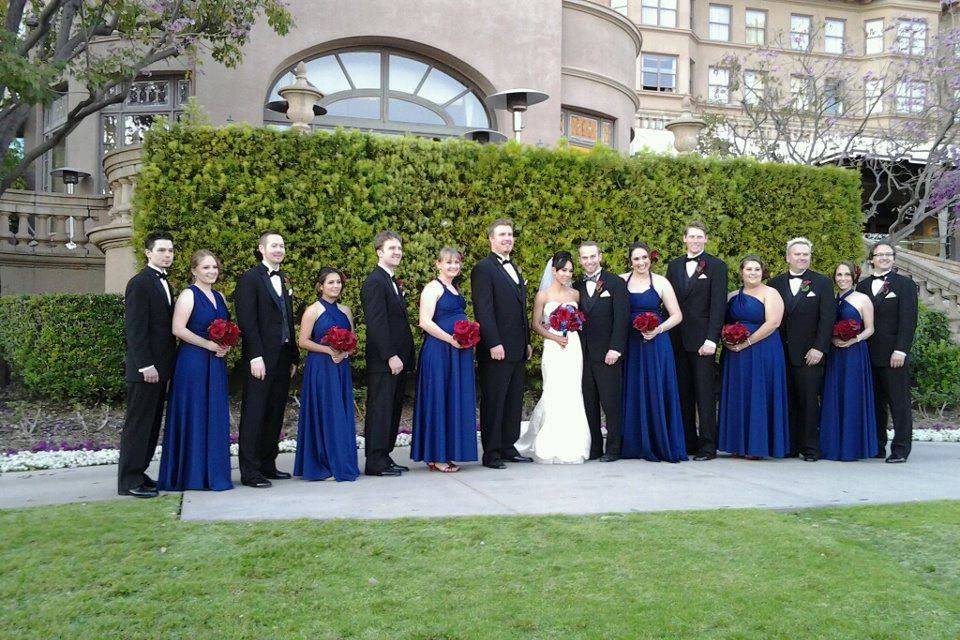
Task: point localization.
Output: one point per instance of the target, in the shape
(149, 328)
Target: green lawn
(131, 569)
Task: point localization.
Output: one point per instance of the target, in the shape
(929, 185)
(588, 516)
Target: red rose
(224, 332)
(566, 318)
(340, 339)
(846, 329)
(646, 322)
(734, 333)
(466, 333)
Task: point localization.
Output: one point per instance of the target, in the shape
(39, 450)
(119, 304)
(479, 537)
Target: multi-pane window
(800, 32)
(619, 6)
(54, 117)
(912, 36)
(661, 13)
(911, 97)
(872, 95)
(658, 73)
(873, 33)
(719, 28)
(833, 96)
(718, 85)
(833, 32)
(801, 91)
(586, 130)
(753, 86)
(756, 22)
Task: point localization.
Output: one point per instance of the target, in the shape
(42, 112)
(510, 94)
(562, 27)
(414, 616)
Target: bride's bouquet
(340, 339)
(566, 318)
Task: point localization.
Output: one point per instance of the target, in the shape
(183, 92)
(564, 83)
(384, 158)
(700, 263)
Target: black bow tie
(799, 277)
(505, 261)
(697, 259)
(161, 275)
(273, 273)
(592, 278)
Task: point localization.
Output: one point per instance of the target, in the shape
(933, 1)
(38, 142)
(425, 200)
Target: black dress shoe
(389, 471)
(277, 475)
(143, 491)
(518, 459)
(609, 457)
(880, 455)
(894, 459)
(149, 483)
(257, 483)
(399, 467)
(809, 458)
(495, 464)
(700, 457)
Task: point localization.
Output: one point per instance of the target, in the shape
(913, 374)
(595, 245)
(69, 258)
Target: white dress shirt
(163, 281)
(692, 266)
(591, 284)
(275, 279)
(392, 281)
(509, 268)
(795, 282)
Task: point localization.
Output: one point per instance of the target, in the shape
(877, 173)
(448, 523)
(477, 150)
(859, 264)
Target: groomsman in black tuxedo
(700, 281)
(606, 304)
(500, 306)
(894, 300)
(264, 304)
(389, 355)
(150, 352)
(806, 330)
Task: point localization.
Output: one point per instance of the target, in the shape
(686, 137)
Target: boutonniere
(884, 288)
(701, 267)
(805, 286)
(400, 285)
(287, 285)
(600, 284)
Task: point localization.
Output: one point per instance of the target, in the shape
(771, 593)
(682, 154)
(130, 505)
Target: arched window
(388, 91)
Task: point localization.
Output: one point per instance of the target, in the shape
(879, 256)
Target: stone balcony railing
(36, 224)
(939, 282)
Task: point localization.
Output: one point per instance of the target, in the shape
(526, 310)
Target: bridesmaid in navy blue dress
(196, 441)
(847, 418)
(754, 422)
(652, 421)
(445, 406)
(326, 432)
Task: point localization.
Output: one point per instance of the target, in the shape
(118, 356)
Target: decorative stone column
(115, 237)
(685, 129)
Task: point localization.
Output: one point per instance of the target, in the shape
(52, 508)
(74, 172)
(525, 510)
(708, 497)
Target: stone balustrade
(939, 282)
(39, 224)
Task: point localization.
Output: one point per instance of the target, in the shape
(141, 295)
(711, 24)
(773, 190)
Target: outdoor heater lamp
(516, 102)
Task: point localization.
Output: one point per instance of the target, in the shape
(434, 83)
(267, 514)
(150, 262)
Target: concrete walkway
(625, 486)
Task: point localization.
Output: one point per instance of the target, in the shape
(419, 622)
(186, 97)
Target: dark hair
(381, 239)
(263, 238)
(499, 222)
(153, 236)
(560, 260)
(752, 257)
(322, 277)
(198, 257)
(695, 224)
(854, 270)
(634, 247)
(882, 243)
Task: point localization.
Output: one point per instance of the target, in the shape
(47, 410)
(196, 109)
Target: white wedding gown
(558, 432)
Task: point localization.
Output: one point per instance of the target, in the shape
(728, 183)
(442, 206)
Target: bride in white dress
(558, 432)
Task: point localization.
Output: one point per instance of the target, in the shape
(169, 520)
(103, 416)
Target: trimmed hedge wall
(330, 193)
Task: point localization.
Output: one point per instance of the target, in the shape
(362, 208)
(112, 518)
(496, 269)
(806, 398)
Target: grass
(132, 569)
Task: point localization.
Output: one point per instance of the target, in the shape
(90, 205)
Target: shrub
(935, 363)
(65, 347)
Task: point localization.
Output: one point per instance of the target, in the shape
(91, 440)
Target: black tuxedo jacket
(703, 301)
(388, 328)
(608, 316)
(500, 306)
(260, 316)
(148, 326)
(808, 317)
(894, 318)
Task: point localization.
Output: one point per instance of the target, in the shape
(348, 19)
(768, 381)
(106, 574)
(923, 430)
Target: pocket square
(811, 295)
(605, 294)
(703, 276)
(890, 295)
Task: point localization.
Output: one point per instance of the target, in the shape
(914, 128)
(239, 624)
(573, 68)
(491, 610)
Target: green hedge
(329, 193)
(65, 347)
(936, 363)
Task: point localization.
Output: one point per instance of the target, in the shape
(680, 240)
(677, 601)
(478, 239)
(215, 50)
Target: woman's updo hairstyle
(854, 270)
(199, 257)
(560, 260)
(322, 277)
(752, 257)
(634, 247)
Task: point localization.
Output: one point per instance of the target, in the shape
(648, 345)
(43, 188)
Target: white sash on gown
(558, 432)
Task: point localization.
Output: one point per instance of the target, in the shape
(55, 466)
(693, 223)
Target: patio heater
(485, 136)
(516, 102)
(71, 177)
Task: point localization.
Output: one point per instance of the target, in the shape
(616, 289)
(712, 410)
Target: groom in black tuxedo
(500, 306)
(606, 304)
(389, 355)
(807, 327)
(894, 300)
(700, 281)
(264, 305)
(150, 352)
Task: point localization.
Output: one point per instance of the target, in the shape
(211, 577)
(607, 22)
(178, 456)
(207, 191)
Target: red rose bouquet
(466, 333)
(224, 332)
(646, 322)
(734, 333)
(566, 318)
(846, 329)
(340, 339)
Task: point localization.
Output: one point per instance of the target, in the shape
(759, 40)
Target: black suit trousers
(261, 417)
(141, 431)
(385, 395)
(603, 387)
(501, 407)
(697, 379)
(805, 386)
(891, 391)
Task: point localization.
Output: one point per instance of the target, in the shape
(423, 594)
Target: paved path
(625, 486)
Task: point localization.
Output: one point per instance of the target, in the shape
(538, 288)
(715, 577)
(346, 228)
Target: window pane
(134, 127)
(148, 93)
(648, 15)
(183, 91)
(668, 18)
(834, 28)
(619, 6)
(719, 14)
(468, 111)
(363, 67)
(356, 108)
(109, 134)
(285, 80)
(405, 74)
(668, 4)
(404, 111)
(440, 88)
(756, 19)
(719, 32)
(325, 74)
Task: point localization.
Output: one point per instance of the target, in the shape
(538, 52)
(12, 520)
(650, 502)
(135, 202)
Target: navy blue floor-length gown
(848, 428)
(196, 441)
(445, 405)
(753, 392)
(652, 422)
(326, 432)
